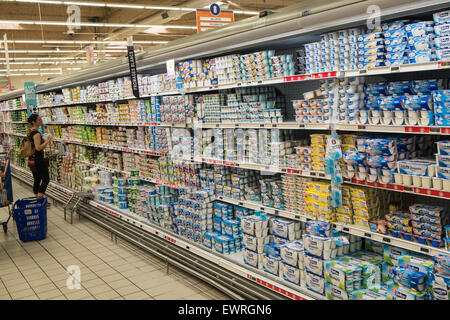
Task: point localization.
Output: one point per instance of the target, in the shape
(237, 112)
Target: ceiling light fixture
(93, 24)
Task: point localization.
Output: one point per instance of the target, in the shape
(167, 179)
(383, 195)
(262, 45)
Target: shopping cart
(6, 193)
(31, 218)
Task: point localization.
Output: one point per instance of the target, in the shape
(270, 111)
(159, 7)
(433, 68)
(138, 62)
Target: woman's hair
(32, 118)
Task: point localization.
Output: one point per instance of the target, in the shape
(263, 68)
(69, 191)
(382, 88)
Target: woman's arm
(37, 142)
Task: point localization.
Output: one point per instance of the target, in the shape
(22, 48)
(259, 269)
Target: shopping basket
(31, 218)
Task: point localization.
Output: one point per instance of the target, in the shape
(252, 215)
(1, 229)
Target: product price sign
(211, 19)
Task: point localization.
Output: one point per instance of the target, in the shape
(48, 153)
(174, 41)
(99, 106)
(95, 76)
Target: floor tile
(128, 290)
(21, 294)
(136, 296)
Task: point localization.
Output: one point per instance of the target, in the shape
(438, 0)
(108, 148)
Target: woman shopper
(38, 164)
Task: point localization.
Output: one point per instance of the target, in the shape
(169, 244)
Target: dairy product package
(271, 265)
(444, 147)
(443, 54)
(284, 228)
(369, 294)
(315, 283)
(333, 292)
(292, 254)
(391, 254)
(416, 264)
(442, 43)
(253, 259)
(442, 264)
(254, 225)
(313, 264)
(400, 293)
(440, 287)
(290, 273)
(343, 275)
(318, 246)
(272, 249)
(410, 279)
(442, 17)
(255, 244)
(416, 167)
(442, 30)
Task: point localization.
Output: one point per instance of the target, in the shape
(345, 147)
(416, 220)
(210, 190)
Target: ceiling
(25, 21)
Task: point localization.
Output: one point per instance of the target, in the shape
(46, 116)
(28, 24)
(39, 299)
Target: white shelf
(416, 67)
(232, 263)
(352, 229)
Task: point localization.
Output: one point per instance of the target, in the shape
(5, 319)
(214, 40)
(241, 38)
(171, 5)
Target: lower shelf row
(310, 255)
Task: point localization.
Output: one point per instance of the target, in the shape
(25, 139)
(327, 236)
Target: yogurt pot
(407, 180)
(446, 185)
(426, 182)
(417, 181)
(398, 178)
(437, 184)
(431, 171)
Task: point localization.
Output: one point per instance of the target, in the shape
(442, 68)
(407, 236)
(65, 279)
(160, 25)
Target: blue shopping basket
(31, 218)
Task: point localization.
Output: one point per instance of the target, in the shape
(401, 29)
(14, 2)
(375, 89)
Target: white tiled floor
(37, 270)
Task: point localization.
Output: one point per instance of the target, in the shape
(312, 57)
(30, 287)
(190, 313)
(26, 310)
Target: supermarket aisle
(37, 270)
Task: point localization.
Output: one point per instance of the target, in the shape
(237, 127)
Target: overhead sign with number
(213, 17)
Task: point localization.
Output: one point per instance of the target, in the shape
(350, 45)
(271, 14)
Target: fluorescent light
(40, 69)
(92, 24)
(31, 74)
(63, 51)
(82, 42)
(119, 5)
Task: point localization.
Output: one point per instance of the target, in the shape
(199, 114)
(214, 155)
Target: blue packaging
(375, 89)
(419, 43)
(419, 29)
(397, 33)
(442, 264)
(397, 47)
(443, 54)
(442, 42)
(371, 44)
(371, 51)
(371, 58)
(272, 249)
(441, 98)
(421, 56)
(416, 102)
(426, 86)
(390, 103)
(372, 64)
(396, 62)
(399, 88)
(395, 56)
(394, 25)
(395, 41)
(370, 37)
(442, 17)
(442, 30)
(409, 278)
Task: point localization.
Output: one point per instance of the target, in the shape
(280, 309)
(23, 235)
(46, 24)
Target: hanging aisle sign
(30, 97)
(213, 17)
(133, 71)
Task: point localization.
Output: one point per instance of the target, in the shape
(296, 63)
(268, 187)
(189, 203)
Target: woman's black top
(38, 155)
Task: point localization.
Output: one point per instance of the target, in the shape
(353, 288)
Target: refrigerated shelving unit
(287, 29)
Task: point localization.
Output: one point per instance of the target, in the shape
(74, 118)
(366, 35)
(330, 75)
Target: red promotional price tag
(418, 129)
(292, 171)
(445, 130)
(231, 164)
